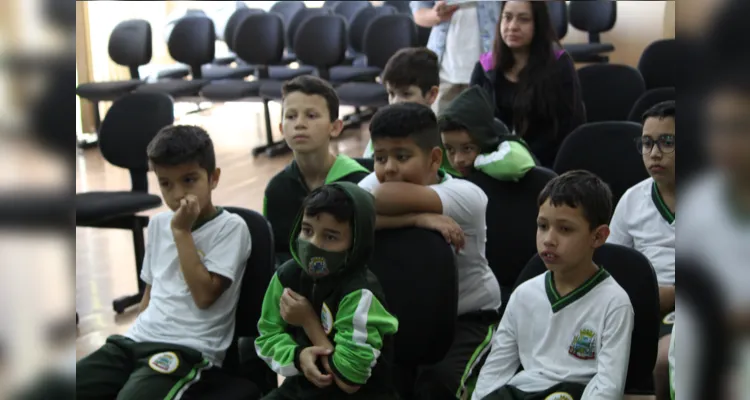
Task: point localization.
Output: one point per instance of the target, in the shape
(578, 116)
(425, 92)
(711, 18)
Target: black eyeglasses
(665, 143)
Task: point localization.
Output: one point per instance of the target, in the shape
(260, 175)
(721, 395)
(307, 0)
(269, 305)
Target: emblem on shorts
(317, 266)
(326, 319)
(559, 396)
(584, 345)
(668, 319)
(165, 363)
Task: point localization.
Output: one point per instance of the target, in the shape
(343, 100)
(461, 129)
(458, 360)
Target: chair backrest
(609, 91)
(300, 18)
(358, 25)
(658, 64)
(234, 22)
(192, 42)
(174, 17)
(606, 149)
(348, 9)
(403, 257)
(127, 129)
(649, 99)
(130, 45)
(400, 5)
(386, 35)
(331, 4)
(385, 9)
(423, 35)
(634, 273)
(511, 221)
(268, 51)
(558, 13)
(258, 273)
(321, 42)
(593, 16)
(287, 10)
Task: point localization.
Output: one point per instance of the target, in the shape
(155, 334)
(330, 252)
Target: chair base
(87, 140)
(272, 150)
(358, 117)
(121, 304)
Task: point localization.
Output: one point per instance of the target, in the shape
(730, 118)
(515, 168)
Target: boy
(645, 220)
(310, 119)
(412, 75)
(569, 328)
(324, 323)
(411, 190)
(194, 263)
(475, 140)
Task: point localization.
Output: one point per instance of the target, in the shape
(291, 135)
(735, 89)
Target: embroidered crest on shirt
(317, 266)
(559, 396)
(668, 319)
(326, 319)
(584, 345)
(166, 362)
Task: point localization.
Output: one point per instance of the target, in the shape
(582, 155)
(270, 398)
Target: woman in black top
(534, 84)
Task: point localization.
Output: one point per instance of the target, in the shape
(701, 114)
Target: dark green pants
(124, 369)
(561, 391)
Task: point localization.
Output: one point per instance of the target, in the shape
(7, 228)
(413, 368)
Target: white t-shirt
(466, 203)
(583, 337)
(171, 316)
(462, 45)
(642, 222)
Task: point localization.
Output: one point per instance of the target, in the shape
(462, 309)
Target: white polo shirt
(466, 203)
(172, 316)
(642, 221)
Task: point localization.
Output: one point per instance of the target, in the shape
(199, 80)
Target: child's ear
(600, 235)
(214, 178)
(436, 158)
(432, 95)
(336, 127)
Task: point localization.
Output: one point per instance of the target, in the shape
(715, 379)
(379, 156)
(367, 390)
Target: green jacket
(352, 310)
(503, 156)
(286, 191)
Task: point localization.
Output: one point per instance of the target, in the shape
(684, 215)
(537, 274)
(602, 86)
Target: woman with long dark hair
(532, 81)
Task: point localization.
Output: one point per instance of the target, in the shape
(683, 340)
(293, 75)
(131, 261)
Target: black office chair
(129, 46)
(649, 99)
(594, 17)
(606, 149)
(348, 9)
(658, 64)
(287, 10)
(221, 23)
(400, 5)
(634, 273)
(558, 14)
(219, 69)
(126, 131)
(283, 72)
(609, 91)
(511, 222)
(401, 258)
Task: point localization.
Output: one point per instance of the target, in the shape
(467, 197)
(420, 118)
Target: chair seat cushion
(174, 87)
(342, 74)
(225, 60)
(92, 207)
(213, 72)
(271, 90)
(231, 89)
(363, 94)
(284, 73)
(588, 49)
(107, 91)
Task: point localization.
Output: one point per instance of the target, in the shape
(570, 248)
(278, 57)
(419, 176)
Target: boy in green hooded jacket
(475, 141)
(324, 323)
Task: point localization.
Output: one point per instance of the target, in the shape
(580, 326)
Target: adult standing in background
(460, 34)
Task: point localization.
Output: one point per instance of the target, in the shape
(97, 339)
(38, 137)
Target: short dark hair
(312, 85)
(329, 199)
(665, 109)
(417, 66)
(406, 120)
(447, 124)
(181, 144)
(580, 189)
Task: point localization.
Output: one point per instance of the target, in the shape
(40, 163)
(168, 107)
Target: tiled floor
(105, 265)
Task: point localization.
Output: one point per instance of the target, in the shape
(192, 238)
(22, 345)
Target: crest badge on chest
(583, 345)
(326, 319)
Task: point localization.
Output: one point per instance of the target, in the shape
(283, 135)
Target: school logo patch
(326, 319)
(559, 396)
(201, 254)
(583, 345)
(165, 363)
(317, 266)
(668, 319)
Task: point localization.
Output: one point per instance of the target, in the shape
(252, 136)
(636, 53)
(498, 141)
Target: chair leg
(271, 148)
(122, 303)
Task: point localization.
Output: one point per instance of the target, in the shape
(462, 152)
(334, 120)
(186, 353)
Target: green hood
(474, 109)
(363, 235)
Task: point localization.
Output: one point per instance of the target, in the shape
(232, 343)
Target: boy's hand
(450, 230)
(443, 11)
(187, 214)
(296, 310)
(307, 360)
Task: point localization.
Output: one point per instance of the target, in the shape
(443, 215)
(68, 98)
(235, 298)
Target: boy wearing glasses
(644, 219)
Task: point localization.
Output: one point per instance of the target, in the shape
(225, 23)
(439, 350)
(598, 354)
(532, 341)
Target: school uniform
(173, 346)
(575, 345)
(478, 290)
(642, 221)
(287, 190)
